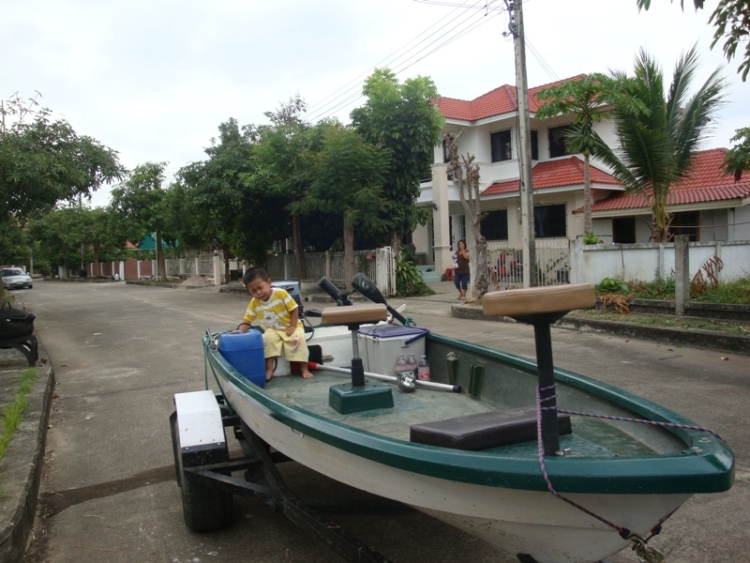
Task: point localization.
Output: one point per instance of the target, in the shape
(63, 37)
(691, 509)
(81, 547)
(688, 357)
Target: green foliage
(658, 130)
(44, 161)
(409, 282)
(612, 285)
(735, 292)
(591, 238)
(737, 159)
(13, 413)
(730, 18)
(402, 119)
(659, 289)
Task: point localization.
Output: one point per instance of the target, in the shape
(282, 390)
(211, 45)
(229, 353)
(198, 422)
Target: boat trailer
(204, 474)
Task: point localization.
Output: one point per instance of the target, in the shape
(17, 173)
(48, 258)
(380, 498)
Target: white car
(16, 278)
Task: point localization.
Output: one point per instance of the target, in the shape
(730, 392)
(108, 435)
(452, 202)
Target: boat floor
(426, 405)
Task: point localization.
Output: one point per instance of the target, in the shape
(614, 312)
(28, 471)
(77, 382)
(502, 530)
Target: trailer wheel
(205, 507)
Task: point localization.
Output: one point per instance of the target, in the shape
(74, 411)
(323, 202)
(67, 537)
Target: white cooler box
(381, 345)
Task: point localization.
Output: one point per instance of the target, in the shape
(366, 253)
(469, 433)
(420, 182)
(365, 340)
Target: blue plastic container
(244, 352)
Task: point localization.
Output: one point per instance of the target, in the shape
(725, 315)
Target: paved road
(120, 352)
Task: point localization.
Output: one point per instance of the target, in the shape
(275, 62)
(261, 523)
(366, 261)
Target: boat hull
(519, 516)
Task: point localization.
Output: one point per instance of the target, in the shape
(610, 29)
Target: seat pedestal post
(546, 373)
(358, 395)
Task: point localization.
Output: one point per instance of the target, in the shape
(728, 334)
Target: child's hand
(290, 330)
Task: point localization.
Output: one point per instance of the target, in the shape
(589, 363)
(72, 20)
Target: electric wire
(466, 23)
(391, 61)
(349, 100)
(385, 61)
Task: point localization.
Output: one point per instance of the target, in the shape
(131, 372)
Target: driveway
(120, 352)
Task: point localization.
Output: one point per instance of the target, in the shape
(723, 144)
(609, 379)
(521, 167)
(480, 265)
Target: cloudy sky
(153, 79)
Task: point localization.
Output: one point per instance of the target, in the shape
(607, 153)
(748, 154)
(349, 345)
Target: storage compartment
(381, 345)
(244, 352)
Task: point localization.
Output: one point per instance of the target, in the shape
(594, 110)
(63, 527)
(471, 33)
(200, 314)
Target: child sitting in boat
(277, 312)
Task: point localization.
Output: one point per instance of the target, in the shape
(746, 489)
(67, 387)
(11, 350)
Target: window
(557, 144)
(495, 225)
(623, 230)
(500, 144)
(549, 221)
(534, 145)
(686, 224)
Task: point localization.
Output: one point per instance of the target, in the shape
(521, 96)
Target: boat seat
(483, 430)
(354, 314)
(539, 300)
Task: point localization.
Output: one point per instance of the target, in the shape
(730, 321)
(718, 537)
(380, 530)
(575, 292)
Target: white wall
(650, 261)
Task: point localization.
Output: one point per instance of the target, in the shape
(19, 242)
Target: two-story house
(707, 205)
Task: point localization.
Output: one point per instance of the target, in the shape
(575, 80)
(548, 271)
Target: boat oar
(392, 378)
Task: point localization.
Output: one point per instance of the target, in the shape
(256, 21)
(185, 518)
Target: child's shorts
(294, 346)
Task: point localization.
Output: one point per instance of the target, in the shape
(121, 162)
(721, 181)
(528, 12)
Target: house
(708, 204)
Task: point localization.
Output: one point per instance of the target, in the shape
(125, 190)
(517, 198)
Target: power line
(464, 26)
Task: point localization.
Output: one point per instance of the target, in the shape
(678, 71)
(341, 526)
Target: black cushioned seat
(483, 430)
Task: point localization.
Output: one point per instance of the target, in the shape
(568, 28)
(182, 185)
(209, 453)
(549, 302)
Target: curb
(705, 339)
(25, 477)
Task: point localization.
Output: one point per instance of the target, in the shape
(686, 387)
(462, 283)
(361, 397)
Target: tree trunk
(587, 223)
(97, 269)
(227, 269)
(160, 258)
(395, 244)
(299, 251)
(481, 284)
(348, 252)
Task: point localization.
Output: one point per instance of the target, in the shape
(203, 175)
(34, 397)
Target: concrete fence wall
(651, 261)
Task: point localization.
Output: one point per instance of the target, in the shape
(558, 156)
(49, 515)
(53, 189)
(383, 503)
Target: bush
(409, 280)
(612, 285)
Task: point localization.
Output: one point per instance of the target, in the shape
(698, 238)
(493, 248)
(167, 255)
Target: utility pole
(515, 10)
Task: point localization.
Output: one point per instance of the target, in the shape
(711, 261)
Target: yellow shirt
(274, 313)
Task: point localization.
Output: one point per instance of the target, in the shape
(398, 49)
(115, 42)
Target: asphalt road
(120, 352)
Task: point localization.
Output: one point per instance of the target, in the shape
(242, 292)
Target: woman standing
(461, 275)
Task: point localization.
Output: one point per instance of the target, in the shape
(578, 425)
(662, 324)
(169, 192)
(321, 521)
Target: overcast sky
(153, 79)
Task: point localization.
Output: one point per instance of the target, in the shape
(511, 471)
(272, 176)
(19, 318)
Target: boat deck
(429, 405)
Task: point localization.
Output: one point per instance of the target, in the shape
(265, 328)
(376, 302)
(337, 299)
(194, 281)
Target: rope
(640, 421)
(624, 532)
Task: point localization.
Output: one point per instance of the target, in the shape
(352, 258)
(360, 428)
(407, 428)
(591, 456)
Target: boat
(545, 464)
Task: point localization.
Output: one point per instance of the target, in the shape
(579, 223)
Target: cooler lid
(393, 331)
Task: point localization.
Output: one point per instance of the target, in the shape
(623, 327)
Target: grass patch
(730, 293)
(687, 323)
(13, 413)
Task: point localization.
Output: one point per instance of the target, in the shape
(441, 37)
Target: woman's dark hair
(458, 244)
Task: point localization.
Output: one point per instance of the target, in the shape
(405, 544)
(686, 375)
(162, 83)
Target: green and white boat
(545, 464)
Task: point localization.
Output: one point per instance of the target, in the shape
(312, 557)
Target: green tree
(57, 237)
(284, 159)
(139, 206)
(44, 161)
(349, 177)
(401, 118)
(658, 134)
(737, 159)
(227, 200)
(731, 18)
(585, 99)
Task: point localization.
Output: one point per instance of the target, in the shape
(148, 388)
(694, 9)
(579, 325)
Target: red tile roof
(707, 182)
(497, 102)
(554, 174)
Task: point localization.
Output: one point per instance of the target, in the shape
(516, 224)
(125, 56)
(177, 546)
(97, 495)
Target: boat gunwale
(707, 465)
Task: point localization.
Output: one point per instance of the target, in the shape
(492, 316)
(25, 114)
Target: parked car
(16, 278)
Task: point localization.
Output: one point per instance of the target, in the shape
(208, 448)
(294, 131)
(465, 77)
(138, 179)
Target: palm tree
(658, 135)
(586, 100)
